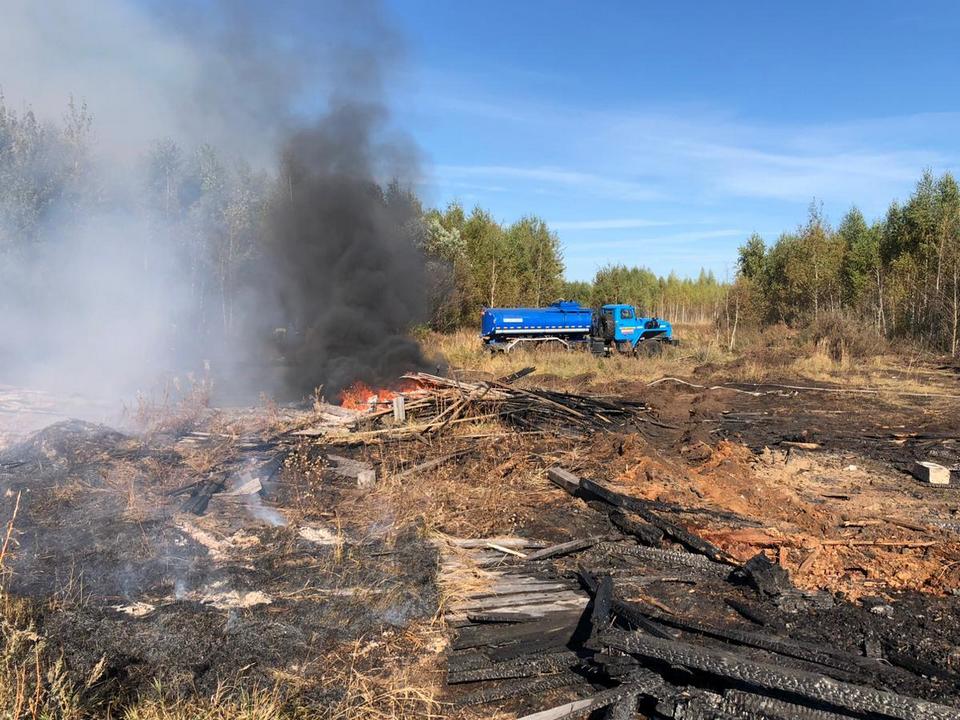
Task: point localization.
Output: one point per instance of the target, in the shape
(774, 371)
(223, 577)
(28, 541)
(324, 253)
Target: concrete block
(931, 473)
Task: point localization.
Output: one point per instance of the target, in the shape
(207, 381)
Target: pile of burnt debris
(431, 404)
(429, 407)
(646, 618)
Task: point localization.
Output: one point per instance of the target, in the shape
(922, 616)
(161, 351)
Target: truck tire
(648, 348)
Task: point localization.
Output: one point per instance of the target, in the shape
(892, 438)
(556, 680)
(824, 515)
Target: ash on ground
(116, 571)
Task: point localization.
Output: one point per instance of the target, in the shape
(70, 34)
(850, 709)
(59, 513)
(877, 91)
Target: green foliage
(751, 257)
(490, 265)
(44, 168)
(900, 275)
(578, 290)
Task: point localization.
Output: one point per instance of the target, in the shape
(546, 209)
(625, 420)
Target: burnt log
(644, 532)
(739, 703)
(769, 579)
(672, 530)
(671, 558)
(792, 683)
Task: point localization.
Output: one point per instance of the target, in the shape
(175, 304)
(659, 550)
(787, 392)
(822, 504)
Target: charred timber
(520, 688)
(796, 683)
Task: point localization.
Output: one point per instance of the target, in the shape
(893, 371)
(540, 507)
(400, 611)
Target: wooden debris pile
(662, 624)
(437, 403)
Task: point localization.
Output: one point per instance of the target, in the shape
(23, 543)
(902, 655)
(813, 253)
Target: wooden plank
(564, 548)
(534, 610)
(508, 601)
(432, 463)
(564, 479)
(514, 542)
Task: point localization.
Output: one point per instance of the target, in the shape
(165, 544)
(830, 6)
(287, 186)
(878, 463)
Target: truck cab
(621, 329)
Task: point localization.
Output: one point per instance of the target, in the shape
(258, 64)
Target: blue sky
(653, 133)
(663, 134)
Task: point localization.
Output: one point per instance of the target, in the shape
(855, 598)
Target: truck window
(626, 314)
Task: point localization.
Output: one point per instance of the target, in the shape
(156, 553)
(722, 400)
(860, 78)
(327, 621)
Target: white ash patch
(136, 609)
(222, 597)
(219, 549)
(318, 535)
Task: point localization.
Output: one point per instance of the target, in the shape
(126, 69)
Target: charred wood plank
(572, 483)
(916, 665)
(467, 660)
(500, 617)
(564, 479)
(546, 641)
(521, 668)
(747, 612)
(850, 667)
(672, 558)
(739, 702)
(530, 686)
(672, 530)
(809, 686)
(482, 635)
(602, 614)
(644, 532)
(514, 376)
(565, 548)
(628, 615)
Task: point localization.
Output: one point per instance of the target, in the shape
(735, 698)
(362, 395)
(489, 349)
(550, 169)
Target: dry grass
(177, 408)
(224, 704)
(464, 350)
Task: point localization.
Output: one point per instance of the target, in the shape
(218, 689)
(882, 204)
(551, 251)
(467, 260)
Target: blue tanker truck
(605, 330)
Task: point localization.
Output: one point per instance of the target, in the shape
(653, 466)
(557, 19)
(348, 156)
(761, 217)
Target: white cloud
(584, 247)
(592, 183)
(611, 224)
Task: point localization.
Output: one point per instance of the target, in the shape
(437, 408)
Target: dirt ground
(328, 589)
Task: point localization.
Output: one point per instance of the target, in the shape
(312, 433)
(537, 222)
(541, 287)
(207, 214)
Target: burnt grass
(96, 532)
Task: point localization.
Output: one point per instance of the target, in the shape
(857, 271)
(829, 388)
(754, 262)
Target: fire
(361, 396)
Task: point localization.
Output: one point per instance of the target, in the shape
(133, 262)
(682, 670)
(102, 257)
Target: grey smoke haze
(102, 304)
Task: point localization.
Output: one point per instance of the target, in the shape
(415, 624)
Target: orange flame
(361, 396)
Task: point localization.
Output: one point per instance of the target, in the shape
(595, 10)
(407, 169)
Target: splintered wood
(500, 590)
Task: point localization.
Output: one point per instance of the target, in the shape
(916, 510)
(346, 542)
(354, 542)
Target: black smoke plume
(349, 274)
(134, 244)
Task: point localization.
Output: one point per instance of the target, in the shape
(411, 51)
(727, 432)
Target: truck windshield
(626, 314)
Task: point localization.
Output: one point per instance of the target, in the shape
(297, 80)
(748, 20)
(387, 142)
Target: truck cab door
(627, 329)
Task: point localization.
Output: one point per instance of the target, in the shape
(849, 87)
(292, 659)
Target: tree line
(899, 274)
(489, 264)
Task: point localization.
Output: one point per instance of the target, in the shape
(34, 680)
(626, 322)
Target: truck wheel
(648, 348)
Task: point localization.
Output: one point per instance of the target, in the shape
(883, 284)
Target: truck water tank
(564, 318)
